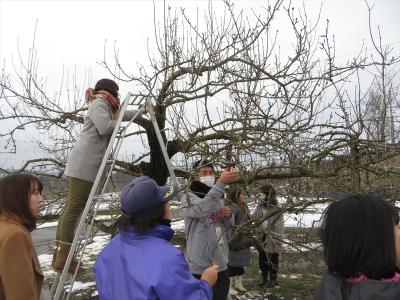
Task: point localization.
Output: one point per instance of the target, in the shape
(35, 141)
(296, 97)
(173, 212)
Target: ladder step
(63, 282)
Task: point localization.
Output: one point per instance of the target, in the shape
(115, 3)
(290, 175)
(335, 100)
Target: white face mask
(208, 180)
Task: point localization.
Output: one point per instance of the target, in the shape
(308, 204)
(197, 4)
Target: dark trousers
(235, 271)
(268, 263)
(221, 287)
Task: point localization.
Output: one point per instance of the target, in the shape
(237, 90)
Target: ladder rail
(92, 205)
(60, 286)
(100, 198)
(150, 108)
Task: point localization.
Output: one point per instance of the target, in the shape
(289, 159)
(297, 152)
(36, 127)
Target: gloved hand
(143, 108)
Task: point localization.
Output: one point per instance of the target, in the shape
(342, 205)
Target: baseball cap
(143, 194)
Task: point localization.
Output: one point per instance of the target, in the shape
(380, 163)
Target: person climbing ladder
(84, 162)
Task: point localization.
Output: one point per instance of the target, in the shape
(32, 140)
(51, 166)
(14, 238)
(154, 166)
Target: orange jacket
(21, 277)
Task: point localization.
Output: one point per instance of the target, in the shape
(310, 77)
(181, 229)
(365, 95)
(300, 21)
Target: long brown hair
(234, 196)
(270, 195)
(15, 191)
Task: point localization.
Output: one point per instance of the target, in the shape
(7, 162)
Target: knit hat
(142, 195)
(202, 163)
(107, 85)
(268, 190)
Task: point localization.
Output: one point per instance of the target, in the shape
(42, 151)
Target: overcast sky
(71, 34)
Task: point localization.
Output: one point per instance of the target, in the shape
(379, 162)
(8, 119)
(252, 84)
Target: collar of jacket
(332, 287)
(160, 231)
(199, 188)
(12, 219)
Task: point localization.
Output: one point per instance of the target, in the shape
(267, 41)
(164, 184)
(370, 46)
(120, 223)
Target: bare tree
(233, 89)
(218, 83)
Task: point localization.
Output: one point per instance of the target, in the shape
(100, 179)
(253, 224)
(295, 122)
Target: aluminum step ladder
(62, 285)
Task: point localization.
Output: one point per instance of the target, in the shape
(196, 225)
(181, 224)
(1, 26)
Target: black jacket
(332, 287)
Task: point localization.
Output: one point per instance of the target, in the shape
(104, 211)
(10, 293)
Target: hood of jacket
(332, 287)
(146, 266)
(159, 231)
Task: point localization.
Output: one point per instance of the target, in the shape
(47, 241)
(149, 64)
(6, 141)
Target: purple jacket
(146, 266)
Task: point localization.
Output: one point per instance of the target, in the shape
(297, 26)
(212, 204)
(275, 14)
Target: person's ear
(166, 211)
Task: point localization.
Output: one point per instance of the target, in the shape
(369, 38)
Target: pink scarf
(90, 95)
(360, 278)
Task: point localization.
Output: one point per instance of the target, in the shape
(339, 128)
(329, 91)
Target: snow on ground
(45, 260)
(105, 217)
(308, 218)
(291, 276)
(108, 201)
(289, 246)
(96, 246)
(91, 251)
(47, 224)
(178, 225)
(80, 286)
(253, 295)
(303, 220)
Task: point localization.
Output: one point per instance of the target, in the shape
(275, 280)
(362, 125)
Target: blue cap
(142, 195)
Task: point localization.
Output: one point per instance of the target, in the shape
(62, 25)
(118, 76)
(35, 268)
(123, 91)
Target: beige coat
(21, 277)
(85, 158)
(273, 228)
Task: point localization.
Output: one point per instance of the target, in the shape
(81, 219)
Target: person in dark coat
(240, 258)
(361, 240)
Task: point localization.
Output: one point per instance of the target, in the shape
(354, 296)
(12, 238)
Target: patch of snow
(178, 225)
(302, 220)
(92, 250)
(252, 295)
(80, 286)
(45, 259)
(47, 224)
(99, 242)
(291, 276)
(303, 247)
(105, 217)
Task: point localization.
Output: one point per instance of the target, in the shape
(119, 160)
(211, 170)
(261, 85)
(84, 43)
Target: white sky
(72, 33)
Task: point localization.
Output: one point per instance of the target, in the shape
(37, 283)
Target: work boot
(232, 291)
(239, 283)
(60, 256)
(55, 252)
(271, 284)
(263, 281)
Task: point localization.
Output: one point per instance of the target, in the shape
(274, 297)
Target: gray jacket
(273, 228)
(239, 258)
(206, 230)
(333, 288)
(87, 153)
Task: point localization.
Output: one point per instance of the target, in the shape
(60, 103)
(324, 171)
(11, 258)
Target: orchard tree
(234, 88)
